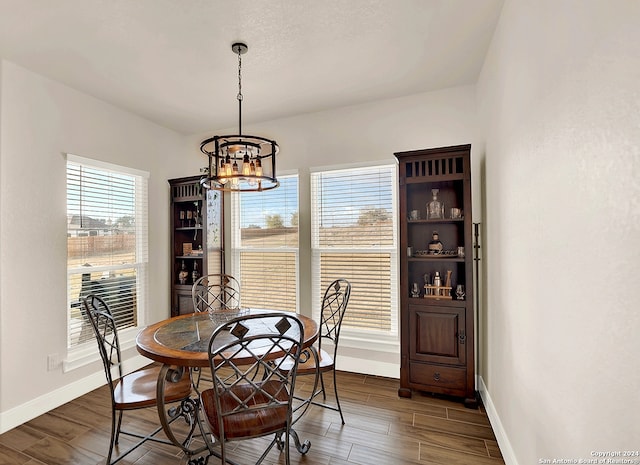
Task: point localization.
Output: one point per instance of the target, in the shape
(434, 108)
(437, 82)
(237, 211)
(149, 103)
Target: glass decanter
(435, 208)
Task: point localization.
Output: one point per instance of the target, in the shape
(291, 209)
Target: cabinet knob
(462, 337)
(436, 376)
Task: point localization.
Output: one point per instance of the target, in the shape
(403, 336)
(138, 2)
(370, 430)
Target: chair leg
(113, 439)
(337, 408)
(196, 373)
(117, 431)
(324, 393)
(286, 449)
(277, 441)
(335, 390)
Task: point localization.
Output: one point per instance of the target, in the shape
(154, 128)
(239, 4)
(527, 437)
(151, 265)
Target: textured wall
(560, 100)
(40, 121)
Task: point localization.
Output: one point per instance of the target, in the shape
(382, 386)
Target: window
(107, 251)
(353, 237)
(264, 245)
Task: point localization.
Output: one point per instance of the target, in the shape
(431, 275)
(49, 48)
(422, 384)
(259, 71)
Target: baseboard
(40, 405)
(501, 435)
(368, 367)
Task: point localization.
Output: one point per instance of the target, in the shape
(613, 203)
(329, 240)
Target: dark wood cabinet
(196, 218)
(437, 317)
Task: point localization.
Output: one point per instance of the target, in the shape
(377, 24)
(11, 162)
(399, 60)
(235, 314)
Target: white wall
(560, 98)
(365, 133)
(40, 121)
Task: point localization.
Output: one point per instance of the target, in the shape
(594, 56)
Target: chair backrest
(334, 304)
(215, 292)
(104, 328)
(245, 356)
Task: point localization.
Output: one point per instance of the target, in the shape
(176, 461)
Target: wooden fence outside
(87, 246)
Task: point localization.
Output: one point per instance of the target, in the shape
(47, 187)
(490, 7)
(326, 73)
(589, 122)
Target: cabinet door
(437, 334)
(183, 302)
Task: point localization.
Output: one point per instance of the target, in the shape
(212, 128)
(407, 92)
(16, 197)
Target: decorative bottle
(435, 247)
(435, 208)
(195, 274)
(183, 274)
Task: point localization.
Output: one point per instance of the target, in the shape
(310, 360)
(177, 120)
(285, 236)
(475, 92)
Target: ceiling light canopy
(240, 162)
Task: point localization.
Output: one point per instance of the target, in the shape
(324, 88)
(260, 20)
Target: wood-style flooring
(381, 429)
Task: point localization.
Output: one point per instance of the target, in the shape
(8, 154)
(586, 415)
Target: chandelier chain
(240, 90)
(239, 75)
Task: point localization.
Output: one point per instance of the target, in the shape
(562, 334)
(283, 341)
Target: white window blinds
(107, 245)
(265, 246)
(354, 237)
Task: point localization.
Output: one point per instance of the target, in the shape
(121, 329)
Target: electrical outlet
(53, 361)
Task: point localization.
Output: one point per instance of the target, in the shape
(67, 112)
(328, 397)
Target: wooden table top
(183, 340)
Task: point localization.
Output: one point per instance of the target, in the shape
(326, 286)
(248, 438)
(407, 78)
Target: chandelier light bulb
(246, 166)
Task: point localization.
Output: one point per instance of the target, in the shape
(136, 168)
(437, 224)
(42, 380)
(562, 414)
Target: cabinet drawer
(434, 375)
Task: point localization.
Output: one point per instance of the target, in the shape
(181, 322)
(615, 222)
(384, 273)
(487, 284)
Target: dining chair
(251, 397)
(132, 391)
(215, 292)
(317, 361)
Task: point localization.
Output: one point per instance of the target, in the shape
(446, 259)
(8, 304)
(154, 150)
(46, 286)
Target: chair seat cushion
(261, 415)
(309, 366)
(138, 389)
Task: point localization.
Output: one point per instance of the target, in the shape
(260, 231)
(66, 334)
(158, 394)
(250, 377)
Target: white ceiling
(170, 61)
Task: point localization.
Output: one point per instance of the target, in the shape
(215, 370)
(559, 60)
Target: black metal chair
(215, 292)
(251, 397)
(318, 361)
(133, 391)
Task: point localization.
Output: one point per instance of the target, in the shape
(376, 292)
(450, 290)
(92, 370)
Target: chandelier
(240, 162)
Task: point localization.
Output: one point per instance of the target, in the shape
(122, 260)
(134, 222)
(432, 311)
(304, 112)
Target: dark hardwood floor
(381, 429)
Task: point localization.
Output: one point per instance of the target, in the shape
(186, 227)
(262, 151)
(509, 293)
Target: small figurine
(435, 247)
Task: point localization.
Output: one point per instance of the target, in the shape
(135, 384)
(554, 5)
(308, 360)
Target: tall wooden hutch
(436, 276)
(197, 247)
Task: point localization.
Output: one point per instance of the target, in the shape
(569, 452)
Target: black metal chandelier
(240, 163)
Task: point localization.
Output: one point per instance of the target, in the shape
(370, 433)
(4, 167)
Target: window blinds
(353, 237)
(265, 246)
(107, 245)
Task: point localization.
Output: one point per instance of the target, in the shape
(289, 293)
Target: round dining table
(182, 343)
(183, 340)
